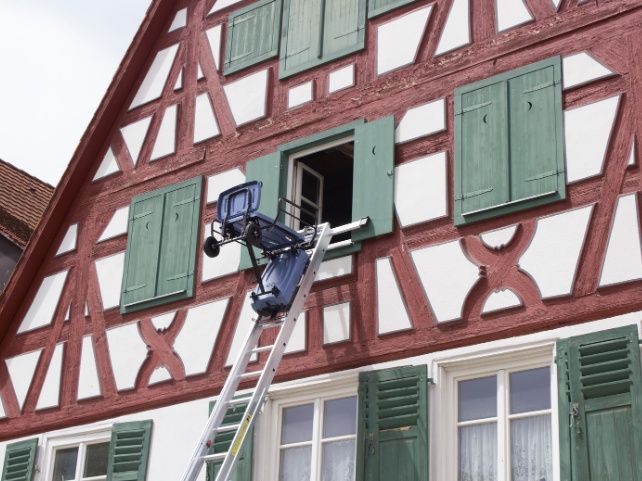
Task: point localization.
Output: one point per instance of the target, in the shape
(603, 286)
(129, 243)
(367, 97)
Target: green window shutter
(179, 242)
(301, 35)
(392, 439)
(344, 26)
(373, 178)
(272, 170)
(20, 460)
(600, 406)
(481, 149)
(243, 469)
(252, 35)
(536, 143)
(128, 451)
(379, 7)
(143, 247)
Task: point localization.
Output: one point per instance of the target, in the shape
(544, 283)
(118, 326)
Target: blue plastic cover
(235, 203)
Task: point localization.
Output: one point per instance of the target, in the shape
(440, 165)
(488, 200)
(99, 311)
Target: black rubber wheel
(211, 247)
(253, 233)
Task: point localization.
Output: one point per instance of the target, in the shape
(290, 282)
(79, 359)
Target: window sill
(157, 301)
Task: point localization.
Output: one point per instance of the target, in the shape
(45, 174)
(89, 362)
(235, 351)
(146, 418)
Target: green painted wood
(344, 25)
(129, 451)
(143, 248)
(392, 437)
(179, 239)
(604, 407)
(253, 35)
(564, 408)
(301, 34)
(373, 178)
(243, 469)
(20, 460)
(379, 7)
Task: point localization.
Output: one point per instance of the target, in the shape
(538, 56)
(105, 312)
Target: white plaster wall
(336, 323)
(582, 68)
(127, 351)
(222, 181)
(221, 4)
(243, 326)
(341, 266)
(511, 13)
(88, 382)
(298, 338)
(43, 306)
(247, 97)
(50, 392)
(392, 315)
(499, 300)
(166, 140)
(456, 32)
(421, 190)
(214, 39)
(68, 243)
(422, 120)
(154, 81)
(134, 135)
(499, 237)
(164, 321)
(110, 278)
(117, 225)
(205, 124)
(180, 20)
(227, 262)
(160, 374)
(107, 166)
(341, 78)
(301, 94)
(21, 370)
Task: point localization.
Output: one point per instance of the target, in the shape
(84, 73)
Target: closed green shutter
(373, 178)
(128, 451)
(600, 406)
(344, 26)
(272, 170)
(535, 114)
(178, 247)
(20, 460)
(252, 35)
(143, 247)
(301, 37)
(378, 7)
(392, 439)
(243, 469)
(481, 151)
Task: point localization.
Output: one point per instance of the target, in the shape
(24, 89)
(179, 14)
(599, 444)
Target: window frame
(465, 218)
(460, 369)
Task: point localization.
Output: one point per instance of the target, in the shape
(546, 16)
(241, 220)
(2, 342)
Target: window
(337, 170)
(318, 31)
(509, 143)
(82, 462)
(161, 246)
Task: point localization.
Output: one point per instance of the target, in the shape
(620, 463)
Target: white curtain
(531, 450)
(478, 452)
(338, 461)
(295, 464)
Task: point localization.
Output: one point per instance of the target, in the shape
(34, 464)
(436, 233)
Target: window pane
(478, 452)
(530, 390)
(65, 464)
(531, 451)
(96, 460)
(310, 186)
(478, 398)
(338, 461)
(297, 424)
(295, 464)
(340, 417)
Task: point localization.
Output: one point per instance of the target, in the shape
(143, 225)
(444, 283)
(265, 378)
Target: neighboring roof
(23, 200)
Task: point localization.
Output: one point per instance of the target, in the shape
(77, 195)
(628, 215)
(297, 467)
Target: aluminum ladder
(238, 372)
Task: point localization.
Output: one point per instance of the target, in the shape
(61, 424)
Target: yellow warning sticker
(245, 425)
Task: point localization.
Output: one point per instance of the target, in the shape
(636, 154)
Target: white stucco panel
(160, 374)
(152, 86)
(502, 299)
(195, 341)
(421, 190)
(205, 124)
(398, 40)
(244, 324)
(298, 338)
(552, 256)
(587, 130)
(180, 20)
(623, 261)
(300, 94)
(456, 32)
(422, 120)
(341, 78)
(108, 165)
(127, 351)
(50, 392)
(110, 278)
(166, 140)
(336, 323)
(214, 39)
(227, 262)
(582, 68)
(117, 225)
(43, 307)
(447, 276)
(21, 370)
(179, 81)
(392, 314)
(500, 237)
(88, 381)
(134, 135)
(632, 155)
(163, 321)
(341, 266)
(247, 97)
(221, 4)
(222, 181)
(511, 13)
(68, 243)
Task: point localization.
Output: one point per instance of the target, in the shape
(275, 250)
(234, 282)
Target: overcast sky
(57, 58)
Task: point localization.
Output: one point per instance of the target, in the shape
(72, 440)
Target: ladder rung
(271, 324)
(229, 427)
(251, 374)
(259, 349)
(240, 400)
(214, 457)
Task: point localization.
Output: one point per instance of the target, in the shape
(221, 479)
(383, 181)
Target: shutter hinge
(430, 381)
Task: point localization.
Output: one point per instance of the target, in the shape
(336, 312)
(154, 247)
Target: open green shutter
(252, 35)
(143, 247)
(392, 439)
(301, 36)
(600, 387)
(179, 242)
(128, 451)
(272, 170)
(222, 442)
(481, 150)
(373, 178)
(344, 26)
(19, 461)
(536, 143)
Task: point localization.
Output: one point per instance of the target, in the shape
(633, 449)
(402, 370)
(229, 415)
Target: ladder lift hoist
(294, 257)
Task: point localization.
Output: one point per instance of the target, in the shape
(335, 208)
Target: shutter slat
(20, 461)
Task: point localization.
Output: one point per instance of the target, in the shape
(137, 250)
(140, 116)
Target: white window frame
(72, 439)
(315, 393)
(445, 410)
